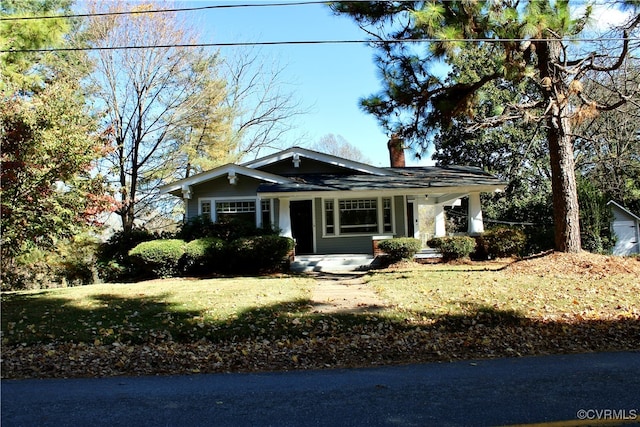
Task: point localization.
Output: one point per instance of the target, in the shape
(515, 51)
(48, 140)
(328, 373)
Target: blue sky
(330, 79)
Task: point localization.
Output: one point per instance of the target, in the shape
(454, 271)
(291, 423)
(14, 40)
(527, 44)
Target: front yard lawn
(554, 304)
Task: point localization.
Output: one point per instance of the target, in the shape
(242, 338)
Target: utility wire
(186, 9)
(299, 42)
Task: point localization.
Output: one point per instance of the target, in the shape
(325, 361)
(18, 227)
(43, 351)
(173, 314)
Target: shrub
(204, 255)
(453, 247)
(77, 260)
(400, 248)
(229, 230)
(114, 263)
(259, 253)
(159, 258)
(503, 242)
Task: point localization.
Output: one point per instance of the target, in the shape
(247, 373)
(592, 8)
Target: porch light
(296, 160)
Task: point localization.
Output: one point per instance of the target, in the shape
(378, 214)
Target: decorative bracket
(186, 192)
(233, 179)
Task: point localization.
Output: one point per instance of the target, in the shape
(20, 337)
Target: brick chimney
(396, 151)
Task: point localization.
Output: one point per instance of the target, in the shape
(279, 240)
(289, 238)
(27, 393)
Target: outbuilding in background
(626, 228)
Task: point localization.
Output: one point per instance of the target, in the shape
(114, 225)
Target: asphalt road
(597, 387)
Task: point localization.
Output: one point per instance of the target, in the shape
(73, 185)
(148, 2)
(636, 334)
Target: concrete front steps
(331, 262)
(346, 262)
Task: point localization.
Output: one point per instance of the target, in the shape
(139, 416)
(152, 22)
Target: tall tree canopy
(164, 105)
(49, 139)
(528, 46)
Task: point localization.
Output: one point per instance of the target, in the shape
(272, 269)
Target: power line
(186, 9)
(300, 42)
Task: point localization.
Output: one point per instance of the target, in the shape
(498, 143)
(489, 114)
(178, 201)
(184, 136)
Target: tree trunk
(566, 213)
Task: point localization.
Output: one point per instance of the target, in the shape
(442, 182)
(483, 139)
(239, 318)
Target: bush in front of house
(400, 248)
(502, 242)
(159, 258)
(113, 262)
(201, 226)
(266, 253)
(203, 256)
(453, 247)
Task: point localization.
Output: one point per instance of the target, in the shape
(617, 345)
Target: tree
(608, 145)
(163, 104)
(530, 47)
(263, 109)
(49, 139)
(514, 151)
(340, 147)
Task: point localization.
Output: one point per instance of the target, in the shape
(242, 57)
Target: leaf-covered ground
(558, 303)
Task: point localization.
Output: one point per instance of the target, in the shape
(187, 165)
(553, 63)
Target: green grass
(274, 308)
(434, 291)
(177, 309)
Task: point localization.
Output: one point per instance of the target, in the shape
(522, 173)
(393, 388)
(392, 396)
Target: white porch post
(475, 214)
(440, 221)
(284, 218)
(186, 196)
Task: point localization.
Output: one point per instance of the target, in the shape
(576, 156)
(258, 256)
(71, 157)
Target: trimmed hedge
(259, 253)
(453, 247)
(159, 258)
(202, 256)
(114, 263)
(400, 248)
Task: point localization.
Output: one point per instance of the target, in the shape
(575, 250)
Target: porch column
(440, 221)
(186, 196)
(475, 214)
(284, 218)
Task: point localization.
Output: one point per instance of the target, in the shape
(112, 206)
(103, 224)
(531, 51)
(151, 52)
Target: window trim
(336, 217)
(214, 200)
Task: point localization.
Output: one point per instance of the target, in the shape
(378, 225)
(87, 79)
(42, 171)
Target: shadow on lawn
(477, 331)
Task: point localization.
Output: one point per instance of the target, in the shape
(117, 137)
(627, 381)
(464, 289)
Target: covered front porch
(334, 224)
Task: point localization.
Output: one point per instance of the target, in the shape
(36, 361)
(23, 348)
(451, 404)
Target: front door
(411, 230)
(302, 225)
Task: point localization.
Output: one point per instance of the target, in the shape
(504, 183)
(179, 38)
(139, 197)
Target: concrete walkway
(344, 293)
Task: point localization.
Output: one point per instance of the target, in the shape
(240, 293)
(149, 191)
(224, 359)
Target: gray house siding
(400, 216)
(307, 166)
(220, 188)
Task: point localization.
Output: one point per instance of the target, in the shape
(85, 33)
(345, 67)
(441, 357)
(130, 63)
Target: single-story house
(625, 226)
(331, 205)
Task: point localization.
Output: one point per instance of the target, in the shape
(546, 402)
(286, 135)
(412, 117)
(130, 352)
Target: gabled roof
(623, 209)
(409, 178)
(315, 155)
(229, 169)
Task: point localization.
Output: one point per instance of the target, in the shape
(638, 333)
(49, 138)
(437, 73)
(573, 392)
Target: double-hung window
(357, 216)
(265, 206)
(236, 210)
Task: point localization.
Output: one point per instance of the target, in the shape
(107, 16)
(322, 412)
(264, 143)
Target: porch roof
(408, 178)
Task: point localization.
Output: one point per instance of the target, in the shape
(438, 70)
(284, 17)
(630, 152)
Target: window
(244, 211)
(329, 218)
(358, 216)
(266, 213)
(205, 209)
(386, 216)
